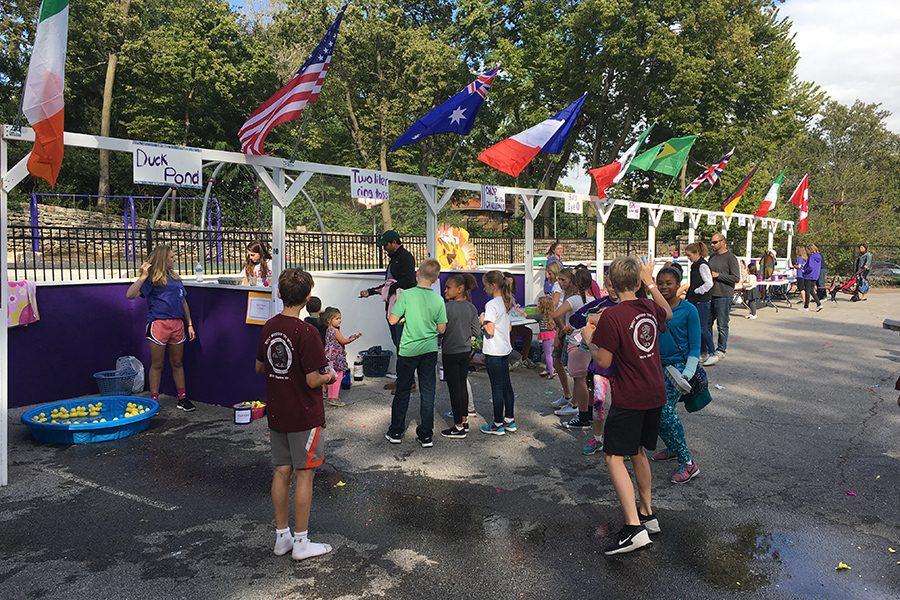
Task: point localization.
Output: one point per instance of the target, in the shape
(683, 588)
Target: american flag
(710, 174)
(289, 102)
(482, 85)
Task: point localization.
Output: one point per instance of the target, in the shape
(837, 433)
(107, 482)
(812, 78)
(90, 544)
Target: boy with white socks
(292, 358)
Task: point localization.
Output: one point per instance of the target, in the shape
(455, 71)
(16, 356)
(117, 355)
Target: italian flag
(771, 198)
(43, 99)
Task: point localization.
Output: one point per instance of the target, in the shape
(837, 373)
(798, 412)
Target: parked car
(886, 270)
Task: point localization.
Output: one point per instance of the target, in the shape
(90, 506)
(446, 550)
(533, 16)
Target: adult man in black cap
(402, 269)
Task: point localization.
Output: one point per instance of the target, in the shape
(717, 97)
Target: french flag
(513, 154)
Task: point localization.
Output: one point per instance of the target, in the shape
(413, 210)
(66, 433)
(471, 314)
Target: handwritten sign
(742, 220)
(493, 198)
(259, 308)
(679, 214)
(634, 211)
(171, 166)
(574, 204)
(710, 219)
(370, 188)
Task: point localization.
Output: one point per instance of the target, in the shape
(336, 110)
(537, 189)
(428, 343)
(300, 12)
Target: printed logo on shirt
(643, 331)
(280, 354)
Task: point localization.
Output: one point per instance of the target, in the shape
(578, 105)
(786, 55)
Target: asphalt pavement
(798, 454)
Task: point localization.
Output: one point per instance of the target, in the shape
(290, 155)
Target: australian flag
(456, 115)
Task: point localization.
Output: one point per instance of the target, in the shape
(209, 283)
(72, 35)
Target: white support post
(433, 206)
(278, 236)
(533, 206)
(726, 225)
(653, 218)
(751, 225)
(790, 243)
(602, 212)
(770, 245)
(4, 306)
(693, 223)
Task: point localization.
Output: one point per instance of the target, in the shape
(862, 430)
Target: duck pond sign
(170, 166)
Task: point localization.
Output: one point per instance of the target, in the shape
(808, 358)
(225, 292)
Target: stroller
(851, 286)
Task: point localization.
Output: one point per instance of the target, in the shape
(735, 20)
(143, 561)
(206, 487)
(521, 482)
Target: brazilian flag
(667, 157)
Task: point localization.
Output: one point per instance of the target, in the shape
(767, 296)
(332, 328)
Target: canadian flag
(800, 198)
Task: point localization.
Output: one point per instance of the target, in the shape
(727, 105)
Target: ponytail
(467, 281)
(505, 283)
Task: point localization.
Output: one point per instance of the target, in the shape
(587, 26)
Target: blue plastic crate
(86, 433)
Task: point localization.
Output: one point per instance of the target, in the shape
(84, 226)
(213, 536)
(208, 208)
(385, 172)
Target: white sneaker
(560, 402)
(805, 310)
(720, 354)
(284, 544)
(678, 380)
(711, 360)
(566, 411)
(703, 358)
(752, 316)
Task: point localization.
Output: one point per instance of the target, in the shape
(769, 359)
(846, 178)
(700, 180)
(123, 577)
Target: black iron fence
(48, 253)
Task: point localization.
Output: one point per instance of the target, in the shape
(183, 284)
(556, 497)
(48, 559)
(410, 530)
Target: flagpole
(452, 160)
(299, 135)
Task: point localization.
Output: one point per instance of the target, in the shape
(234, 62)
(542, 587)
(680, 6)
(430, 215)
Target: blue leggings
(670, 428)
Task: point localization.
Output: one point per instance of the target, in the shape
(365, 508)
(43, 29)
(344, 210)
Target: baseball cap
(388, 236)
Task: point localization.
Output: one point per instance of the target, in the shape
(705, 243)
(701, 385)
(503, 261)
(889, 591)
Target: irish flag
(771, 198)
(513, 154)
(43, 99)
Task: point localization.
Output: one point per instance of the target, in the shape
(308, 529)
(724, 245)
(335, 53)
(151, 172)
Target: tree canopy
(191, 71)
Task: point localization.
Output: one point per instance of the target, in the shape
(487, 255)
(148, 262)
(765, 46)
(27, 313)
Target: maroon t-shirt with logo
(290, 348)
(630, 330)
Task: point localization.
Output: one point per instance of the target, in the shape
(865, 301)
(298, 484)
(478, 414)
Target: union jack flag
(710, 175)
(289, 102)
(482, 85)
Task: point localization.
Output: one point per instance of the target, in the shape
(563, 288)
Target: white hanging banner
(710, 219)
(742, 220)
(370, 188)
(634, 211)
(679, 214)
(574, 204)
(171, 166)
(493, 198)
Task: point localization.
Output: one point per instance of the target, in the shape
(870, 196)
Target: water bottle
(198, 272)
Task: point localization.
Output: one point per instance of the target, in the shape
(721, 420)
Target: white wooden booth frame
(285, 180)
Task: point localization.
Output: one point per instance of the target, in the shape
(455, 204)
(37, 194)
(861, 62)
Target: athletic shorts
(579, 361)
(300, 449)
(627, 429)
(163, 332)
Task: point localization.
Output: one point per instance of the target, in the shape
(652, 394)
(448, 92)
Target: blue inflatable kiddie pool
(108, 421)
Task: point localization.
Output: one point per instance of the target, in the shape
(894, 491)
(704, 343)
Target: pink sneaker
(663, 455)
(685, 473)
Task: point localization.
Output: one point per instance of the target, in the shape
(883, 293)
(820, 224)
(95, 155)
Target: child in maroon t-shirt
(628, 333)
(291, 357)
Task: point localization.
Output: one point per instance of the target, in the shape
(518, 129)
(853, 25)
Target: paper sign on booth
(369, 187)
(710, 219)
(574, 204)
(742, 220)
(679, 214)
(634, 211)
(170, 166)
(493, 198)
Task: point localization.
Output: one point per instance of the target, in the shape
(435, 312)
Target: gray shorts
(300, 449)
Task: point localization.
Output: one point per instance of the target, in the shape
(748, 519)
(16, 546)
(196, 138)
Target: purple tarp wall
(85, 328)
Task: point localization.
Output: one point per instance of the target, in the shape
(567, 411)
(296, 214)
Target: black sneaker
(426, 442)
(393, 438)
(186, 405)
(577, 423)
(629, 539)
(650, 523)
(454, 434)
(466, 426)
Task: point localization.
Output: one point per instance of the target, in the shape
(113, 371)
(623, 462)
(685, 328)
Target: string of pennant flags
(43, 107)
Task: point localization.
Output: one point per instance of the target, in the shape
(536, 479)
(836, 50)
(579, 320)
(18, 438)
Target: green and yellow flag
(667, 157)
